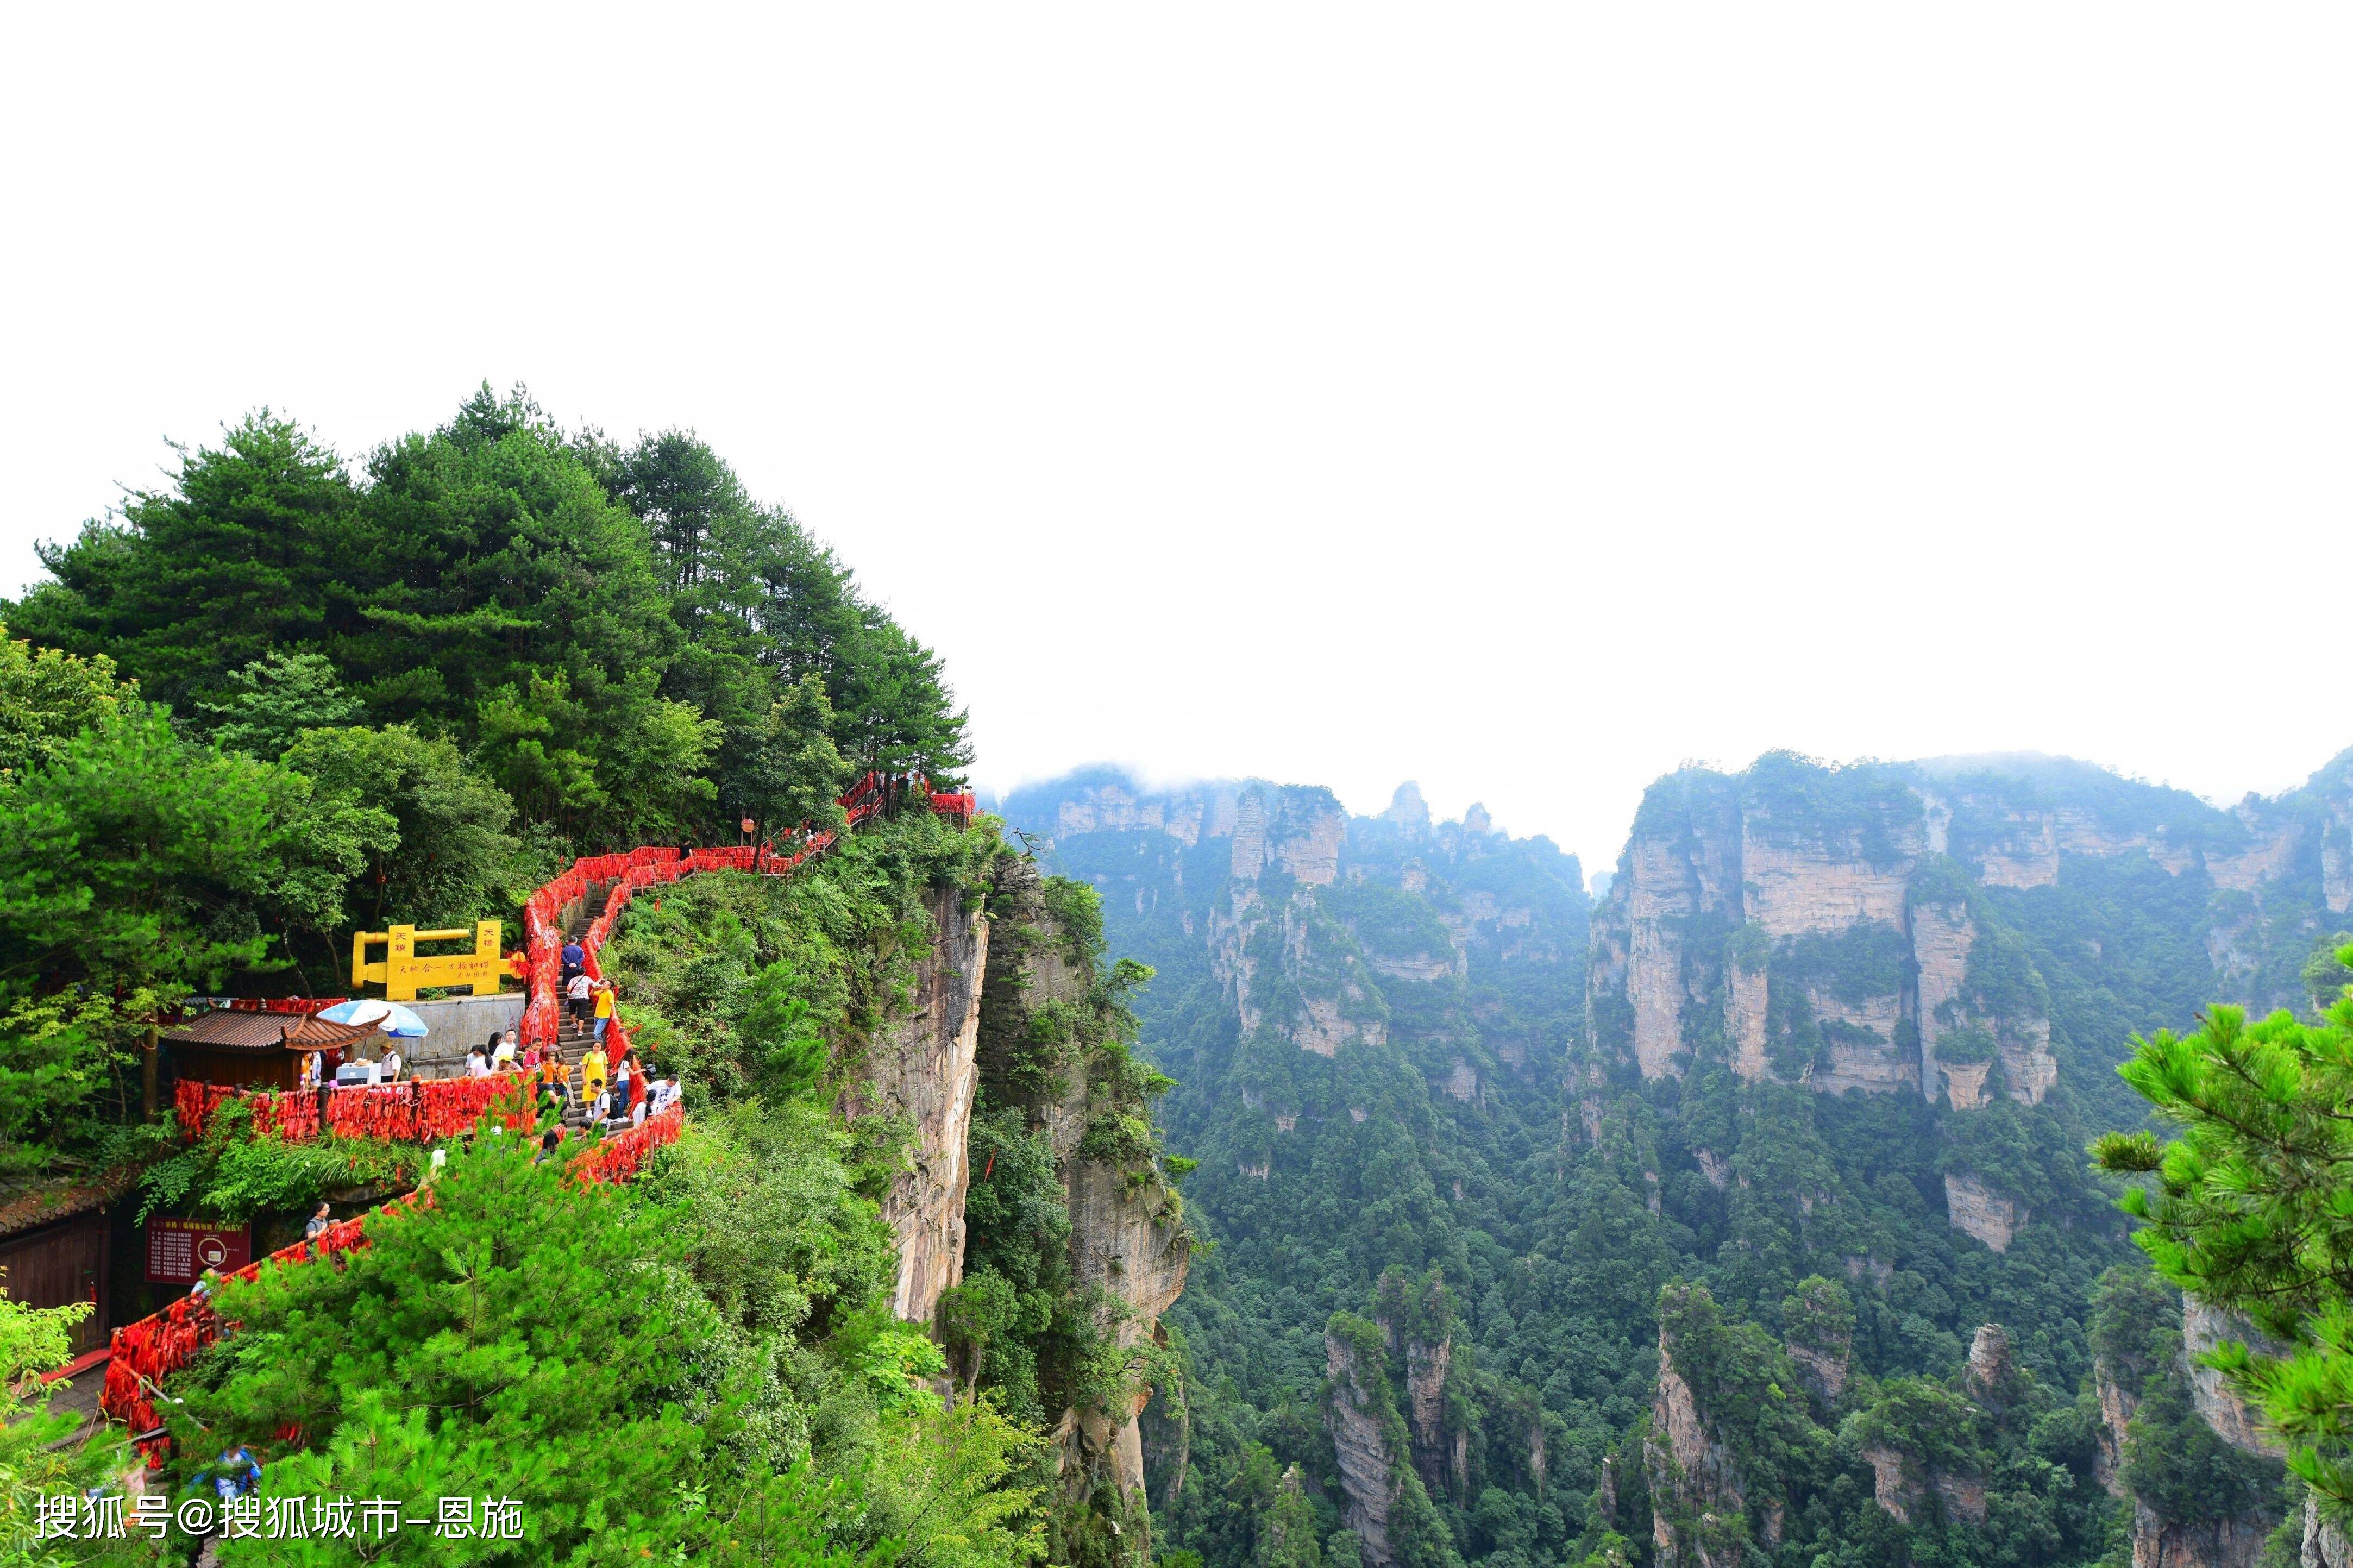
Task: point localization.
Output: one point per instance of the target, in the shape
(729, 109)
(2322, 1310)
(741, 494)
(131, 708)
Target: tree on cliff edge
(2252, 1210)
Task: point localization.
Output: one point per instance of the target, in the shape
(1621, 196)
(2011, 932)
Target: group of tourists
(590, 1000)
(616, 1090)
(613, 1089)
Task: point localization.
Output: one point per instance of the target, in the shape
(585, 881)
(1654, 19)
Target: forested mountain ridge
(1928, 882)
(1364, 1017)
(1833, 1057)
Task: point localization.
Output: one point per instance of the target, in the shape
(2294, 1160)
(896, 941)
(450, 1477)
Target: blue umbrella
(390, 1017)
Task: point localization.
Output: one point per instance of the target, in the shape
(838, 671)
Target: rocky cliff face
(1807, 925)
(2325, 1545)
(1127, 1235)
(1112, 803)
(1308, 916)
(1832, 927)
(1353, 1411)
(2232, 1542)
(2234, 1420)
(2117, 1401)
(2157, 1371)
(920, 1066)
(1425, 1382)
(1699, 1503)
(1977, 1210)
(1902, 1489)
(1291, 968)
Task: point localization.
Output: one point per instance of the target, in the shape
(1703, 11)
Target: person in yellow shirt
(592, 1073)
(604, 1007)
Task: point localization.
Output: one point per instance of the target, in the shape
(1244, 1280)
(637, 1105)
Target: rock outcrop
(1127, 1239)
(1831, 926)
(1805, 918)
(1976, 1210)
(1407, 809)
(1289, 966)
(2117, 1404)
(2325, 1545)
(1895, 1493)
(922, 1065)
(1824, 1372)
(1112, 803)
(1425, 1383)
(1699, 1500)
(1310, 915)
(1994, 1382)
(1298, 830)
(1353, 1411)
(1821, 1338)
(2234, 1420)
(2231, 1543)
(1902, 1487)
(2149, 1359)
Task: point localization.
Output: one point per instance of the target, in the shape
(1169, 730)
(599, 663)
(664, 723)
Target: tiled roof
(316, 1034)
(249, 1031)
(237, 1030)
(21, 1210)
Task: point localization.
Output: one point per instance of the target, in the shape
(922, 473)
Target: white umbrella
(390, 1017)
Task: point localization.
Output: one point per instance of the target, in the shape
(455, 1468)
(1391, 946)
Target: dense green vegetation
(2245, 1207)
(1567, 1210)
(286, 697)
(703, 1363)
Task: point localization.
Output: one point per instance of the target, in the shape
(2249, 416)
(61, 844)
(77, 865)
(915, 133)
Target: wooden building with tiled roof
(257, 1049)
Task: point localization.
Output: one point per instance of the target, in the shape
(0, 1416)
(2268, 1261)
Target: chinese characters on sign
(66, 1517)
(180, 1250)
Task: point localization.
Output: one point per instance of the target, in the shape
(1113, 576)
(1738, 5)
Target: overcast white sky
(1522, 400)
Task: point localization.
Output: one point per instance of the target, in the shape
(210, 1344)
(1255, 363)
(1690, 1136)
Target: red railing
(145, 1352)
(418, 1110)
(628, 874)
(423, 1110)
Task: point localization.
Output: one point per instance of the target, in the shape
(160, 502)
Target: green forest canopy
(286, 694)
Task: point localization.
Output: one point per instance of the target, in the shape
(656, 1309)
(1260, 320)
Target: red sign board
(180, 1250)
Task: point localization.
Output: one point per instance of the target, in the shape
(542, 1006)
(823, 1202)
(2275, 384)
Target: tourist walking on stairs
(592, 1073)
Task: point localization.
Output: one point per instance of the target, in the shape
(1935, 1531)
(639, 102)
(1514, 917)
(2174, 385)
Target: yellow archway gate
(403, 970)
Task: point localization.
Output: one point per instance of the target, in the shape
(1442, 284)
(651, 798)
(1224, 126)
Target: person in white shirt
(391, 1064)
(475, 1065)
(579, 989)
(504, 1059)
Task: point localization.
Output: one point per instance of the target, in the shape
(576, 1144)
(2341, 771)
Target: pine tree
(2251, 1210)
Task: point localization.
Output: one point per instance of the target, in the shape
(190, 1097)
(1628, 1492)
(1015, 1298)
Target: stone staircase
(574, 1038)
